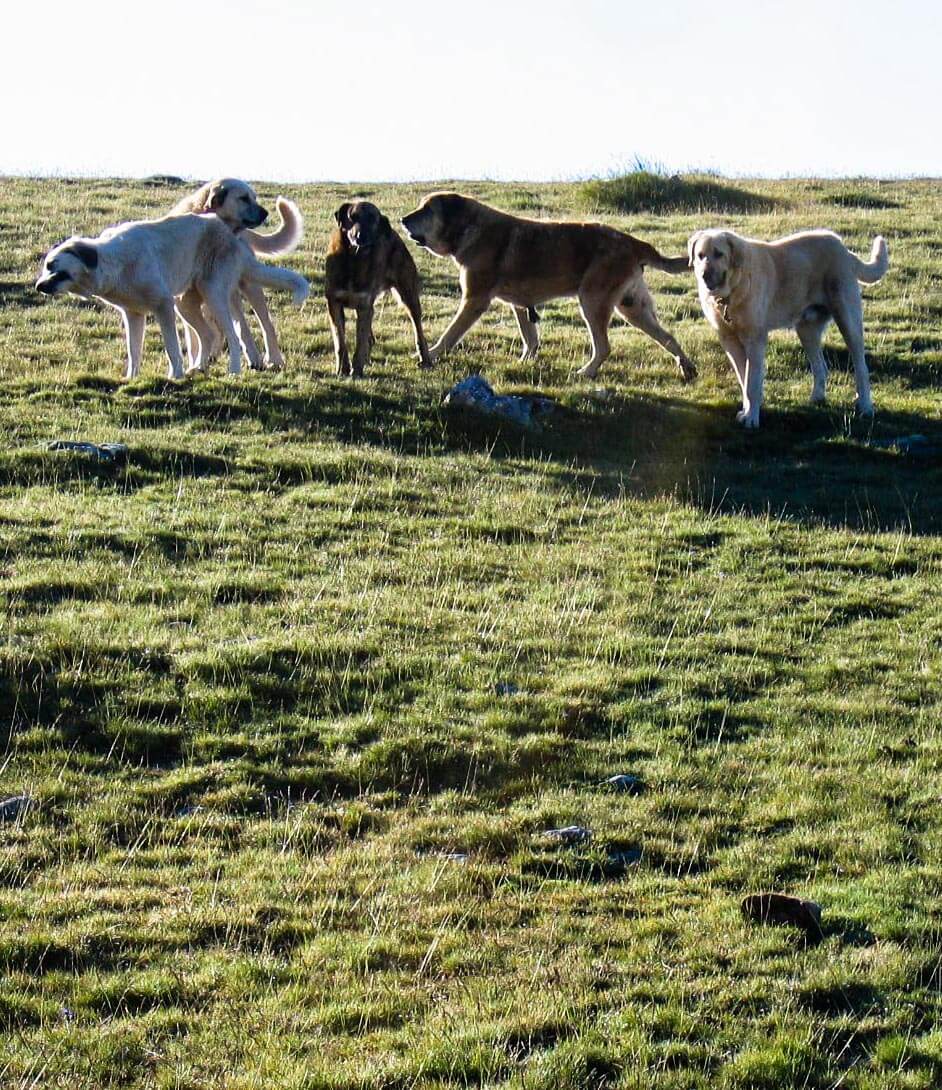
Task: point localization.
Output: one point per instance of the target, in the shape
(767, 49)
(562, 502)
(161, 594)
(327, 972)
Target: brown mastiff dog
(526, 262)
(366, 257)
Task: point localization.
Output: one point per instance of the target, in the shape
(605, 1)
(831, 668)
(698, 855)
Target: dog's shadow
(813, 465)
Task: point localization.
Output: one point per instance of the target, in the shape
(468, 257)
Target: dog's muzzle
(48, 285)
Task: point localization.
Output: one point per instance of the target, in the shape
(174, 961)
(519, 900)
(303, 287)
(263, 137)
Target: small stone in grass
(506, 688)
(626, 782)
(779, 908)
(571, 834)
(12, 808)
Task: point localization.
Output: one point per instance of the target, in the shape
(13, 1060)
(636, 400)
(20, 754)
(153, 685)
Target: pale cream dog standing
(236, 204)
(802, 282)
(142, 268)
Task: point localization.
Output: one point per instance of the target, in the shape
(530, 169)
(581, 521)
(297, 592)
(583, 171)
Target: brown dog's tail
(288, 236)
(869, 272)
(650, 257)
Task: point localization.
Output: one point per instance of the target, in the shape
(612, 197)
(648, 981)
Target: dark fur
(365, 258)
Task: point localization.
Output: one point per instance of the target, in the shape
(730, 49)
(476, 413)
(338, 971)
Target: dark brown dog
(526, 262)
(365, 258)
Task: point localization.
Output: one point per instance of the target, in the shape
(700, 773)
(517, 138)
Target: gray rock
(626, 782)
(13, 808)
(571, 834)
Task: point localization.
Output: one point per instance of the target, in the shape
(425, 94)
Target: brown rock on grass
(779, 908)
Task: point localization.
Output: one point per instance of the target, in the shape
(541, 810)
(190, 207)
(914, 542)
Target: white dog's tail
(869, 272)
(271, 276)
(288, 236)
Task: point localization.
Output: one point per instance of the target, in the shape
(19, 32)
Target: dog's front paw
(863, 408)
(688, 370)
(747, 418)
(589, 371)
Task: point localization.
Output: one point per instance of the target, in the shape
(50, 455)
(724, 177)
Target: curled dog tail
(650, 257)
(288, 236)
(869, 272)
(268, 276)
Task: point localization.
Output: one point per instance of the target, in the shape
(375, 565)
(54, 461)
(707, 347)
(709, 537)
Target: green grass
(644, 190)
(288, 831)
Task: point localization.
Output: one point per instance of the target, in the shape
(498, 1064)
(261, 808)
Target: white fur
(141, 268)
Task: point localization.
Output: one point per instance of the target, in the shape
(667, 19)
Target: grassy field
(299, 688)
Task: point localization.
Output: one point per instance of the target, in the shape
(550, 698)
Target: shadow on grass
(809, 464)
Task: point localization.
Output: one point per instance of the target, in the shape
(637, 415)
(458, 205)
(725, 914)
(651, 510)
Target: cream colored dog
(802, 282)
(236, 204)
(144, 268)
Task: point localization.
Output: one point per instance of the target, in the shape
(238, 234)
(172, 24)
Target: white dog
(142, 268)
(236, 204)
(802, 282)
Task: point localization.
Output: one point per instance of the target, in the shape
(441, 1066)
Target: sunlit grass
(298, 689)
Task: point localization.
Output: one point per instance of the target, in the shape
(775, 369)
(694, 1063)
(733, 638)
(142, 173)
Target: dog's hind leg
(256, 297)
(190, 306)
(848, 314)
(597, 314)
(218, 298)
(249, 347)
(134, 339)
(637, 308)
(166, 318)
(810, 333)
(529, 331)
(338, 329)
(409, 298)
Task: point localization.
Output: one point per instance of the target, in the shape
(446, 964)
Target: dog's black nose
(262, 215)
(44, 287)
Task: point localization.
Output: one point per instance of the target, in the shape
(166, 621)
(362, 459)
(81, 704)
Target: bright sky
(297, 90)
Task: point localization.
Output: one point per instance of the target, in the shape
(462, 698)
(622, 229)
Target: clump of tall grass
(649, 187)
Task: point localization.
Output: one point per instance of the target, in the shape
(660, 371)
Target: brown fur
(365, 257)
(526, 262)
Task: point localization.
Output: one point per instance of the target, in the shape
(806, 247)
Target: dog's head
(234, 202)
(440, 222)
(361, 223)
(70, 266)
(715, 257)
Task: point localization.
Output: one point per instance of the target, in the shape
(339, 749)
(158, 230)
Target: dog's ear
(217, 194)
(692, 245)
(342, 215)
(735, 250)
(455, 216)
(88, 255)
